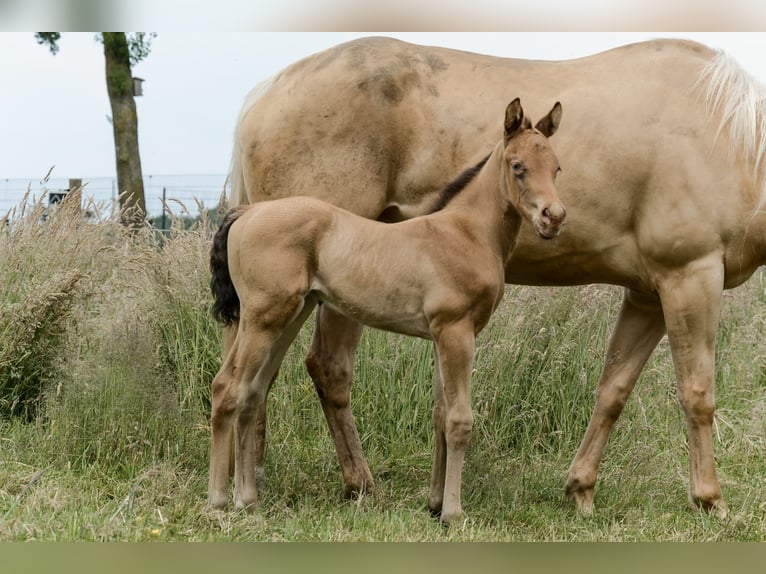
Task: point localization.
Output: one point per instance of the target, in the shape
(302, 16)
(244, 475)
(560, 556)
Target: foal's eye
(518, 168)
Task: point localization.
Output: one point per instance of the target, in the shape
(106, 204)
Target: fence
(175, 193)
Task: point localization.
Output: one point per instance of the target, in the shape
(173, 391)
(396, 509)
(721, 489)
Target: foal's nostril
(557, 218)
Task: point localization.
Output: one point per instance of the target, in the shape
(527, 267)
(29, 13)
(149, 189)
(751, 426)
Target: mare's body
(662, 180)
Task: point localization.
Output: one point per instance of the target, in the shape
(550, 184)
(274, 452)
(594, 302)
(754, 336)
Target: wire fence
(178, 195)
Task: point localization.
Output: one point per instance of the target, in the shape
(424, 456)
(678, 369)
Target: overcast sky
(54, 109)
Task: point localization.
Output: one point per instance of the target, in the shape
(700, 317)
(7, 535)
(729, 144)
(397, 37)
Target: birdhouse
(138, 89)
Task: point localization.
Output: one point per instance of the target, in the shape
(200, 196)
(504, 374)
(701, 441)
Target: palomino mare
(439, 277)
(663, 184)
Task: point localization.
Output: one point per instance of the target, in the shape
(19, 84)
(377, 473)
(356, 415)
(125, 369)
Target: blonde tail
(238, 193)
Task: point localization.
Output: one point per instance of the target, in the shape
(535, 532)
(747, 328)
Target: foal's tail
(226, 304)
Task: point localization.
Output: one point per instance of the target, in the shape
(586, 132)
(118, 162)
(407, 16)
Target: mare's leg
(439, 468)
(261, 353)
(691, 298)
(455, 348)
(330, 363)
(640, 326)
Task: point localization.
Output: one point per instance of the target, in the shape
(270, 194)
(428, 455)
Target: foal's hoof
(583, 502)
(249, 504)
(451, 518)
(582, 497)
(248, 508)
(217, 501)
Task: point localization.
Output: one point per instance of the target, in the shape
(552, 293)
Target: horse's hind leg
(639, 328)
(222, 430)
(261, 351)
(691, 299)
(228, 336)
(330, 363)
(269, 372)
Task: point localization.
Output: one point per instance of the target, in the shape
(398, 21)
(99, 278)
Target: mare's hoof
(435, 511)
(354, 491)
(714, 505)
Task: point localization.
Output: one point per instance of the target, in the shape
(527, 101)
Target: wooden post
(74, 194)
(164, 204)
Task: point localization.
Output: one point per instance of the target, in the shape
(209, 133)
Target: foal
(439, 277)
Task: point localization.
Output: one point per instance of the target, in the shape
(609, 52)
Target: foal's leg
(254, 345)
(691, 299)
(269, 372)
(439, 468)
(222, 430)
(262, 351)
(640, 326)
(455, 348)
(230, 385)
(228, 336)
(330, 363)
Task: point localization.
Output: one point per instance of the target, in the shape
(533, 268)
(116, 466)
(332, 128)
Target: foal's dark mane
(456, 186)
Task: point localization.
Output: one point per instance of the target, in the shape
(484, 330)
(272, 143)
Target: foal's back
(384, 275)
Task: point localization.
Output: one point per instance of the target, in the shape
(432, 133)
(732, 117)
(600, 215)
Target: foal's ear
(514, 118)
(550, 123)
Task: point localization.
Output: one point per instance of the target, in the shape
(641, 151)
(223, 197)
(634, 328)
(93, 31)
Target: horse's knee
(223, 404)
(698, 402)
(458, 428)
(219, 386)
(331, 377)
(611, 400)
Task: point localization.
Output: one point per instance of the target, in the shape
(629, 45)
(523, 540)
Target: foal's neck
(486, 209)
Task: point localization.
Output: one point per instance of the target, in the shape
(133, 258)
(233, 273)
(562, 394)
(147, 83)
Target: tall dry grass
(106, 335)
(107, 350)
(43, 276)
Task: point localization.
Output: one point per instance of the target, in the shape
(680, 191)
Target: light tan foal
(439, 277)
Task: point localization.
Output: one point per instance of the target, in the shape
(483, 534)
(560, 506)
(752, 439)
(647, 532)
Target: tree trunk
(119, 82)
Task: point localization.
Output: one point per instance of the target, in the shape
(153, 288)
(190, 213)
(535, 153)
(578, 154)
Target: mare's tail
(226, 304)
(238, 194)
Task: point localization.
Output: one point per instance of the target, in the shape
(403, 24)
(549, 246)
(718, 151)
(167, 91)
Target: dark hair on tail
(226, 304)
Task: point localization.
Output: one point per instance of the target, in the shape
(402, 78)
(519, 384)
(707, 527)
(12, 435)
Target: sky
(54, 109)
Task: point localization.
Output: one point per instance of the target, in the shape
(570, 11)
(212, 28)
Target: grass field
(107, 350)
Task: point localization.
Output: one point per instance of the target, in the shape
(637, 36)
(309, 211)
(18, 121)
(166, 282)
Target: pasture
(108, 348)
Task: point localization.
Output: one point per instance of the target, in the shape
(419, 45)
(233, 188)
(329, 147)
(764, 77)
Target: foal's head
(530, 168)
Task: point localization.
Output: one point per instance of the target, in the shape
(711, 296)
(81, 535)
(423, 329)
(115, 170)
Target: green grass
(112, 442)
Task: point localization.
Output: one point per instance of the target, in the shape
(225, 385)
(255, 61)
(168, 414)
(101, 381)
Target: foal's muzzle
(552, 218)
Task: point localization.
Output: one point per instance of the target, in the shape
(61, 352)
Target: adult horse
(663, 181)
